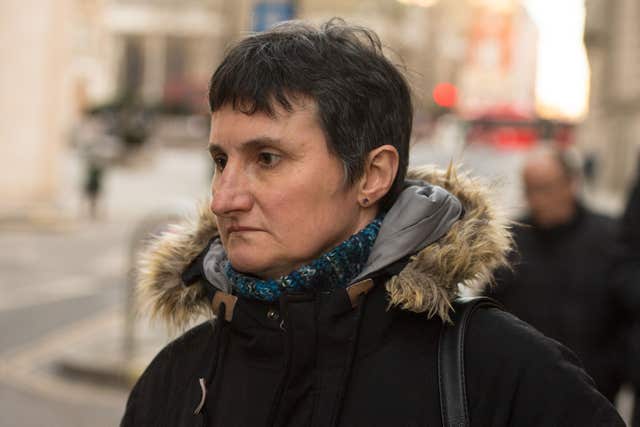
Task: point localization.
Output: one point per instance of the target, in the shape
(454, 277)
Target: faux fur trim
(159, 286)
(465, 257)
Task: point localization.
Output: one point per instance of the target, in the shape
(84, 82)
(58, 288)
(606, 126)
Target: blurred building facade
(73, 55)
(162, 52)
(429, 42)
(154, 51)
(610, 131)
(500, 64)
(33, 84)
(487, 49)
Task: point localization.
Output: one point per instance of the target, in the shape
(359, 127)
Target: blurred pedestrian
(628, 290)
(96, 149)
(331, 276)
(93, 186)
(560, 278)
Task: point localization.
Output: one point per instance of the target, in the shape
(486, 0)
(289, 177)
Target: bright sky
(562, 87)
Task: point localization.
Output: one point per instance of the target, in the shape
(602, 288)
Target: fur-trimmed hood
(462, 254)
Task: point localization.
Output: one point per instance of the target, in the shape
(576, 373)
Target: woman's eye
(220, 161)
(268, 159)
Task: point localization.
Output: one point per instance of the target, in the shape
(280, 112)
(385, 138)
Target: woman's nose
(229, 195)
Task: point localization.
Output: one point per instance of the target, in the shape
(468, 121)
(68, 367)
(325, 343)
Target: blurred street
(104, 141)
(50, 307)
(64, 287)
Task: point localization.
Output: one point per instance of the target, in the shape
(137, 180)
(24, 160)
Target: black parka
(561, 283)
(627, 288)
(364, 358)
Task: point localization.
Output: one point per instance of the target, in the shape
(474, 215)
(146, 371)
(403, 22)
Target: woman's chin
(262, 268)
(249, 266)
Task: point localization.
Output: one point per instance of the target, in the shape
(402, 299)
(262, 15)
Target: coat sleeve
(518, 377)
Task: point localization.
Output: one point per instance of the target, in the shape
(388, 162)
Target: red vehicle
(508, 128)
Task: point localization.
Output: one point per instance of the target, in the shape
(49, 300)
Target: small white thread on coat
(204, 396)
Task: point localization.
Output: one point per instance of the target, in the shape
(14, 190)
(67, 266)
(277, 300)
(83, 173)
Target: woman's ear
(380, 169)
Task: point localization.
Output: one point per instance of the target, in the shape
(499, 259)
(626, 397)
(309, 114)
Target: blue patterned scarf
(332, 270)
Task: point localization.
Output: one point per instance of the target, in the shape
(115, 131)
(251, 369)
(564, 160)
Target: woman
(331, 271)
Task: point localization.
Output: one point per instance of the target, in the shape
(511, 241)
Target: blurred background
(103, 132)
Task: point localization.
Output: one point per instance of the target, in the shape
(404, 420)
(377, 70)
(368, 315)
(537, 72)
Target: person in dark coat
(628, 291)
(326, 271)
(563, 261)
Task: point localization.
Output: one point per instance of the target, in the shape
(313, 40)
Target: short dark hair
(363, 99)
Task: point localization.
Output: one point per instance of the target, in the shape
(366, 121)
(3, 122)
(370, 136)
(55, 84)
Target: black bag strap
(451, 376)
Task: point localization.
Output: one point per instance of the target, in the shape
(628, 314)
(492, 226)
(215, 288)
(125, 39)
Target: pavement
(51, 308)
(64, 357)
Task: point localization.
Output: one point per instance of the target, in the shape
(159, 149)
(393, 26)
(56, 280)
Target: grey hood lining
(213, 266)
(421, 215)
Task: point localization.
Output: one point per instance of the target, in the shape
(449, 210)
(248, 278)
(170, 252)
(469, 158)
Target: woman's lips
(239, 228)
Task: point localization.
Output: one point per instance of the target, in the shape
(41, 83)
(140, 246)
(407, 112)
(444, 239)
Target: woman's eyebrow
(250, 145)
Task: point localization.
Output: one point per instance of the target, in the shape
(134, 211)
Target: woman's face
(279, 196)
